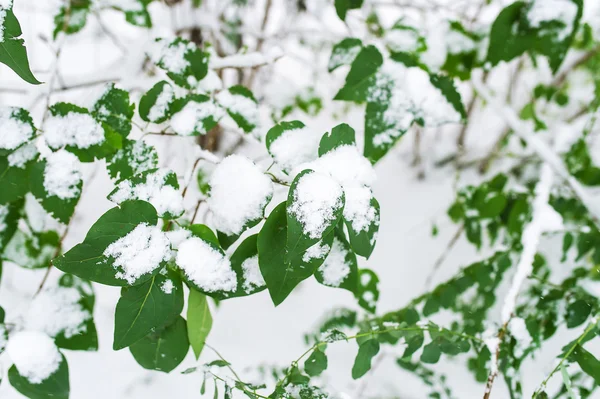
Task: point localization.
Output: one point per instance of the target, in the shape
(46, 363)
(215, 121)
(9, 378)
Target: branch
(541, 149)
(530, 241)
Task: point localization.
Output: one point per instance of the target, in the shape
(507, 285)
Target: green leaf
(87, 260)
(316, 363)
(60, 208)
(363, 241)
(155, 104)
(12, 49)
(194, 115)
(241, 106)
(366, 352)
(199, 321)
(362, 75)
(344, 53)
(588, 363)
(508, 39)
(147, 307)
(164, 349)
(56, 386)
(114, 109)
(281, 274)
(431, 353)
(449, 91)
(579, 163)
(301, 232)
(340, 135)
(71, 17)
(342, 7)
(157, 186)
(138, 16)
(195, 61)
(244, 262)
(135, 157)
(13, 180)
(577, 313)
(9, 219)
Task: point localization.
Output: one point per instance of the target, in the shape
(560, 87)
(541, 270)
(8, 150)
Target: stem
(443, 256)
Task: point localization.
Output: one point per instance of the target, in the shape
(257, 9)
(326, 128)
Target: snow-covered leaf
(344, 53)
(17, 128)
(342, 7)
(124, 247)
(340, 268)
(314, 206)
(156, 103)
(156, 186)
(361, 215)
(134, 158)
(244, 261)
(182, 60)
(71, 17)
(195, 114)
(340, 135)
(56, 182)
(114, 109)
(362, 75)
(241, 106)
(292, 144)
(32, 250)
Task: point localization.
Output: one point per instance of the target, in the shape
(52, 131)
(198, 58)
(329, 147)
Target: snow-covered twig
(542, 149)
(542, 220)
(248, 60)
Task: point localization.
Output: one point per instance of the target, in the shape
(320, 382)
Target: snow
(343, 56)
(57, 310)
(3, 214)
(161, 106)
(167, 287)
(357, 209)
(191, 118)
(316, 198)
(412, 97)
(543, 11)
(140, 159)
(74, 129)
(530, 241)
(62, 176)
(295, 147)
(171, 56)
(518, 330)
(22, 155)
(246, 60)
(210, 83)
(239, 192)
(241, 105)
(176, 237)
(402, 40)
(458, 43)
(345, 164)
(140, 252)
(34, 354)
(253, 278)
(205, 266)
(14, 131)
(165, 198)
(4, 5)
(317, 251)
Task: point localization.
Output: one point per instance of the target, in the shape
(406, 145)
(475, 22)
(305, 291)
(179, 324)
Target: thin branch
(444, 255)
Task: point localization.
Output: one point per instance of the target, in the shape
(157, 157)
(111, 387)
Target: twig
(444, 255)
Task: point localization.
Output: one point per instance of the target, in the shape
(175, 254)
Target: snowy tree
(195, 151)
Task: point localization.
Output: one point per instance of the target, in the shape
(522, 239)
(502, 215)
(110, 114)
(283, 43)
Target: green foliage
(147, 307)
(55, 386)
(13, 52)
(199, 321)
(163, 349)
(342, 7)
(367, 350)
(87, 260)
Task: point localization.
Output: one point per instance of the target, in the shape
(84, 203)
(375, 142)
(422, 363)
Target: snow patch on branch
(248, 60)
